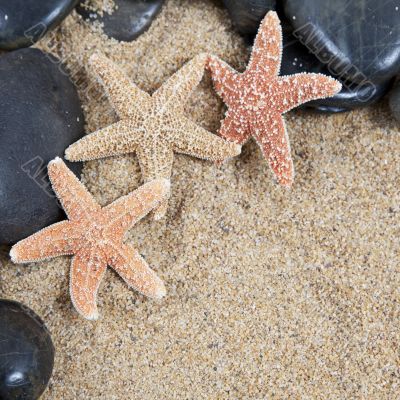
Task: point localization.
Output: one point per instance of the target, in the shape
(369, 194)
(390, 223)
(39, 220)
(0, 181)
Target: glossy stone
(297, 58)
(26, 353)
(352, 97)
(359, 39)
(130, 19)
(247, 14)
(394, 101)
(23, 22)
(40, 117)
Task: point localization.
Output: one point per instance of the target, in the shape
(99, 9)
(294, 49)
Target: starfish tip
(71, 153)
(337, 86)
(56, 160)
(54, 165)
(67, 153)
(160, 292)
(273, 14)
(90, 313)
(93, 316)
(286, 181)
(14, 254)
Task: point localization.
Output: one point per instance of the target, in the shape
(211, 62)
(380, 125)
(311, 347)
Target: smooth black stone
(359, 39)
(247, 14)
(297, 58)
(128, 21)
(350, 98)
(23, 22)
(26, 353)
(40, 116)
(322, 109)
(394, 101)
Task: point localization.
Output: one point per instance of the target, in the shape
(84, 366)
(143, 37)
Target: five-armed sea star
(94, 235)
(152, 126)
(258, 97)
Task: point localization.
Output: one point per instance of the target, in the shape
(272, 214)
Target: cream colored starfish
(153, 126)
(94, 235)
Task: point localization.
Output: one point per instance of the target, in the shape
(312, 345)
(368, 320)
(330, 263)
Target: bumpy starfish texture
(153, 126)
(94, 236)
(258, 97)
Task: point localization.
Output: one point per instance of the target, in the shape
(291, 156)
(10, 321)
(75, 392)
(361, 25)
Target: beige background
(271, 293)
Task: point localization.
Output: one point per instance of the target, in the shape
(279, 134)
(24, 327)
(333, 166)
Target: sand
(272, 293)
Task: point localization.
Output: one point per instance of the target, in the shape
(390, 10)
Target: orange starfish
(258, 97)
(94, 235)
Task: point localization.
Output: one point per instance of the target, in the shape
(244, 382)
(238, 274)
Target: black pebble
(23, 22)
(26, 353)
(128, 21)
(247, 14)
(40, 116)
(358, 38)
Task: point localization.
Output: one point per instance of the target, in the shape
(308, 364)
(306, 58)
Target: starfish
(258, 97)
(153, 126)
(94, 236)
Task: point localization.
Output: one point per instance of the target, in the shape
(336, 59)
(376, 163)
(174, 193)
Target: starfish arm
(173, 93)
(134, 270)
(87, 271)
(127, 99)
(196, 141)
(270, 134)
(75, 199)
(119, 138)
(235, 128)
(156, 162)
(224, 78)
(301, 88)
(267, 49)
(53, 241)
(127, 210)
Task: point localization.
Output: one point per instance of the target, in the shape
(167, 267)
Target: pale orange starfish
(94, 235)
(258, 97)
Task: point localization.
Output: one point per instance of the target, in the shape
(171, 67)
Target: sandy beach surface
(272, 293)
